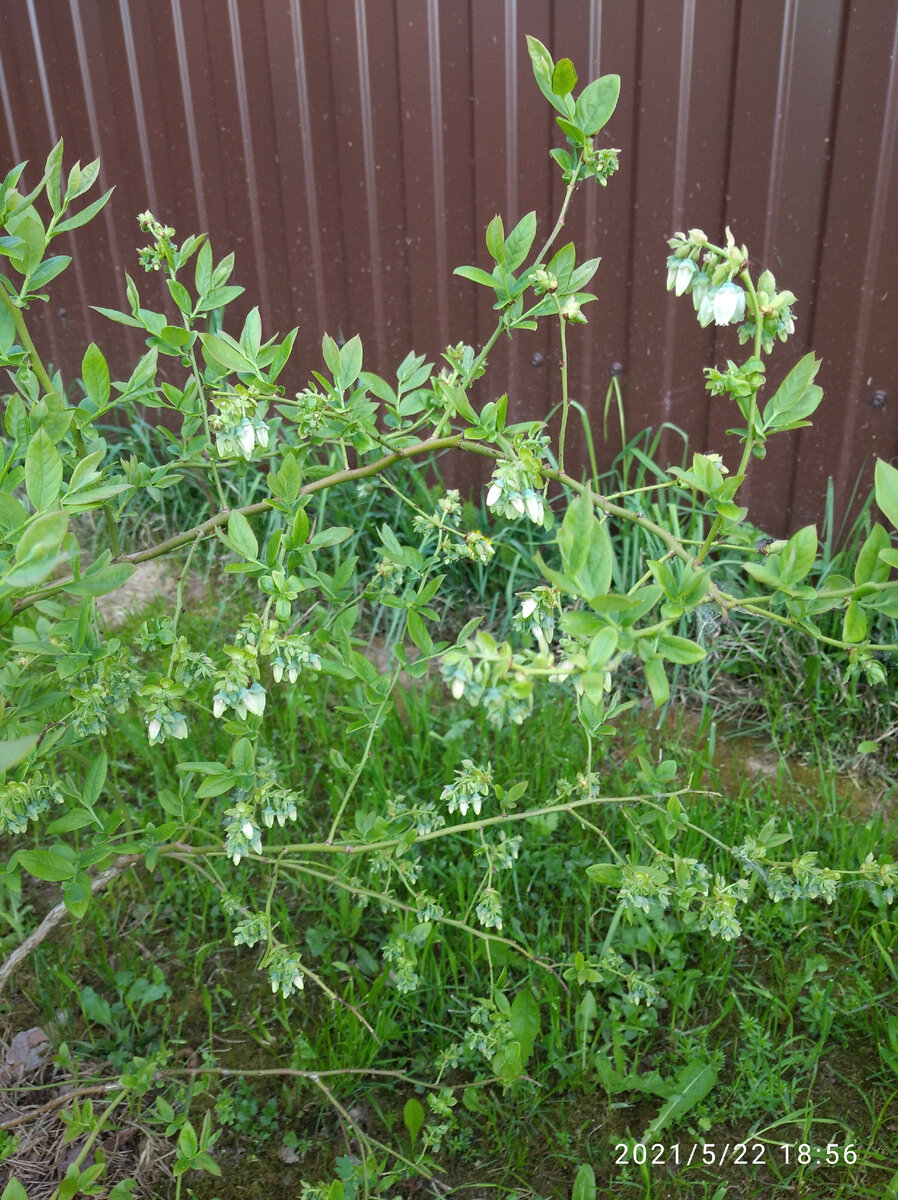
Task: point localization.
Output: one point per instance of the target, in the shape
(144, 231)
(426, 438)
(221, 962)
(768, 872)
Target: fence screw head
(878, 399)
(537, 360)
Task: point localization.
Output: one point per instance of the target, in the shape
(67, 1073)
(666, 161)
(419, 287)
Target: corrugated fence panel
(351, 153)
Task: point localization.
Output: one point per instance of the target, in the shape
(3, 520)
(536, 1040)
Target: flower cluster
(517, 484)
(717, 911)
(803, 879)
(236, 686)
(106, 687)
(238, 425)
(740, 382)
(285, 973)
(152, 257)
(307, 410)
(513, 492)
(600, 164)
(425, 815)
(162, 710)
(267, 803)
(254, 928)
(488, 677)
(489, 909)
(289, 652)
(775, 309)
(472, 786)
(21, 802)
(880, 875)
(537, 613)
(399, 951)
(242, 834)
(715, 294)
(277, 804)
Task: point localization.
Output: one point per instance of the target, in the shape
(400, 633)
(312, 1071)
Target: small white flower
(458, 687)
(298, 982)
(153, 728)
(235, 858)
(534, 506)
(729, 304)
(262, 434)
(528, 607)
(254, 699)
(493, 495)
(517, 503)
(683, 275)
(248, 830)
(246, 436)
(219, 704)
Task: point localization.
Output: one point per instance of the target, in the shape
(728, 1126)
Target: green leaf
(524, 1021)
(656, 678)
(43, 536)
(679, 649)
(14, 750)
(587, 555)
(413, 1117)
(14, 1191)
(797, 557)
(870, 568)
(495, 239)
(181, 296)
(43, 471)
(49, 865)
(241, 534)
(82, 218)
(27, 225)
(47, 271)
(95, 375)
(331, 354)
(76, 895)
(886, 490)
(584, 1184)
(543, 70)
(225, 354)
(608, 874)
(331, 537)
(417, 631)
(596, 104)
(477, 275)
(109, 579)
(693, 1083)
(796, 397)
(95, 779)
(519, 241)
(350, 362)
(854, 623)
(564, 77)
(187, 1141)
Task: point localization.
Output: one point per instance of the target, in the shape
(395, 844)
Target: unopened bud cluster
(238, 425)
(152, 257)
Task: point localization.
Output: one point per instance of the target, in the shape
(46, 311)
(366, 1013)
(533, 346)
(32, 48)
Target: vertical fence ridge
(308, 161)
(778, 141)
(196, 169)
(874, 239)
(139, 109)
(438, 169)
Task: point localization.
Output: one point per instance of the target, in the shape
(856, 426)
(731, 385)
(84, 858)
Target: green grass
(797, 1020)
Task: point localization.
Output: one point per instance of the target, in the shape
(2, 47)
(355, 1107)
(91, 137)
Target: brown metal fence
(351, 152)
